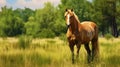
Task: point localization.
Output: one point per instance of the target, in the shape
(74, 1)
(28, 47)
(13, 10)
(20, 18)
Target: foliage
(46, 33)
(108, 16)
(63, 37)
(108, 36)
(31, 27)
(10, 24)
(24, 42)
(37, 22)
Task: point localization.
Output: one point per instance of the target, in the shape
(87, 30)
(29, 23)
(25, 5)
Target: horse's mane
(76, 17)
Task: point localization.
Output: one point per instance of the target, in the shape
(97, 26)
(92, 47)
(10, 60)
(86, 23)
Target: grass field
(54, 52)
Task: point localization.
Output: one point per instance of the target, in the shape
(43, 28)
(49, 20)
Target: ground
(54, 52)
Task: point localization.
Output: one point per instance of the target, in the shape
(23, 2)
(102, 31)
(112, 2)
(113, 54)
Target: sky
(33, 4)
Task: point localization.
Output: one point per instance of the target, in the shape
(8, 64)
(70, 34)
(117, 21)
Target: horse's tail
(95, 45)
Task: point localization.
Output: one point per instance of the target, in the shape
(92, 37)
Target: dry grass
(55, 53)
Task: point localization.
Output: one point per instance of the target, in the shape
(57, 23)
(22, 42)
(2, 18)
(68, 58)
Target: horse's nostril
(68, 26)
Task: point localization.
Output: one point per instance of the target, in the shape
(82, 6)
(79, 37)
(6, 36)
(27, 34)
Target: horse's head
(68, 14)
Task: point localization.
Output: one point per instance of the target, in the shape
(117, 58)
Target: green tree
(24, 14)
(82, 8)
(48, 18)
(107, 8)
(118, 14)
(10, 24)
(31, 27)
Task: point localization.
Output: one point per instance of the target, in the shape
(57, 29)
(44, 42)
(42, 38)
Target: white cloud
(2, 3)
(33, 4)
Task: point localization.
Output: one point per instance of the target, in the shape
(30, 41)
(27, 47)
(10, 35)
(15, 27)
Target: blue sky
(11, 1)
(33, 4)
(14, 1)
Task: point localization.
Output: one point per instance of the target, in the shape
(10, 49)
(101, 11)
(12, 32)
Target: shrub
(108, 36)
(24, 42)
(46, 33)
(63, 37)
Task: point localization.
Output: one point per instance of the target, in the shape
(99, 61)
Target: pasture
(54, 52)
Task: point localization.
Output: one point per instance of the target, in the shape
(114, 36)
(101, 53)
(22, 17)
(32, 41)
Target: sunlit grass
(55, 53)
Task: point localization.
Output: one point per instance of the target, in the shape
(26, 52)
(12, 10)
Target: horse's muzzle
(68, 26)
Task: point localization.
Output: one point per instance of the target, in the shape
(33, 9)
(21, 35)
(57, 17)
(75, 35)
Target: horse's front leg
(71, 45)
(78, 48)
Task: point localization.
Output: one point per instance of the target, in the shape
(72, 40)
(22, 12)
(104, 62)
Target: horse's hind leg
(88, 52)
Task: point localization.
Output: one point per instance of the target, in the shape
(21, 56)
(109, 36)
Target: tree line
(49, 21)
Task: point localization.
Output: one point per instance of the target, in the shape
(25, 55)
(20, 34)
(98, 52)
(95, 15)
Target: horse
(81, 33)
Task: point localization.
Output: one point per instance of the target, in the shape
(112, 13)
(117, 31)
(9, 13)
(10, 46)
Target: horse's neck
(75, 24)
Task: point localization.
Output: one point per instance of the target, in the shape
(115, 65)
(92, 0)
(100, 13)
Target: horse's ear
(72, 10)
(66, 9)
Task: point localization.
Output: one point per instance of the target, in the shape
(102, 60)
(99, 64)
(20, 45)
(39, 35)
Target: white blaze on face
(68, 19)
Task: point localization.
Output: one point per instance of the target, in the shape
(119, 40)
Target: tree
(98, 16)
(108, 10)
(118, 14)
(82, 8)
(31, 27)
(10, 24)
(49, 19)
(24, 14)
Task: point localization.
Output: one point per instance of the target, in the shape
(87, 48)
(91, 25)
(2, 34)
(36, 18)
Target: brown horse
(81, 33)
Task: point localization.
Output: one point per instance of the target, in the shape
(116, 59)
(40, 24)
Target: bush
(108, 36)
(63, 37)
(24, 42)
(46, 33)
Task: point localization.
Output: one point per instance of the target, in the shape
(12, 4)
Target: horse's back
(89, 23)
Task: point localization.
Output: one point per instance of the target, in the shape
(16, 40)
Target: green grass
(54, 53)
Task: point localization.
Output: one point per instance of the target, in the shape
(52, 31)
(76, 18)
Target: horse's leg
(71, 45)
(78, 48)
(88, 52)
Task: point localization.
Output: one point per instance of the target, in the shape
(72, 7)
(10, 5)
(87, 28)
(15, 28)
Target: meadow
(54, 52)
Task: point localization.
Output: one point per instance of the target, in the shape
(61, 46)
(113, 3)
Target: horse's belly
(85, 39)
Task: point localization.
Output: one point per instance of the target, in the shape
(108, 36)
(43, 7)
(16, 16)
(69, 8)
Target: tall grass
(12, 59)
(24, 42)
(54, 53)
